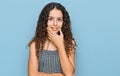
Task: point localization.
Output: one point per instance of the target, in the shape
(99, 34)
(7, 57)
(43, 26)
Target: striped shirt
(49, 62)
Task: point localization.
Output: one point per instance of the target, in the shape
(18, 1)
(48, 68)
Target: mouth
(54, 29)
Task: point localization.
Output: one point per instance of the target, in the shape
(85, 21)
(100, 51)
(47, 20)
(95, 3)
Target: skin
(55, 20)
(55, 41)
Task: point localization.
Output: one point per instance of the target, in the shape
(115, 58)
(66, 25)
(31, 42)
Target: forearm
(48, 74)
(66, 65)
(36, 73)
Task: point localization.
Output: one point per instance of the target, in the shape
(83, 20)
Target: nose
(55, 22)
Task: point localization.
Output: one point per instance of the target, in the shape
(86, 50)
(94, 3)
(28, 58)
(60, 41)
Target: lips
(54, 29)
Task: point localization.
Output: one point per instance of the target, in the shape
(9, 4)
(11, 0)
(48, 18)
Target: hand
(56, 39)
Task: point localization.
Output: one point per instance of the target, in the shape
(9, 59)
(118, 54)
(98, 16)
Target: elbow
(32, 73)
(69, 73)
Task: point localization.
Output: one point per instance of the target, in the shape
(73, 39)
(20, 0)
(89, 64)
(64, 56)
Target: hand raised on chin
(56, 39)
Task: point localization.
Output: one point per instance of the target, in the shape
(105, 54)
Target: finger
(49, 32)
(49, 37)
(60, 31)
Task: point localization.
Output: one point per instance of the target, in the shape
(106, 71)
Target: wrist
(60, 46)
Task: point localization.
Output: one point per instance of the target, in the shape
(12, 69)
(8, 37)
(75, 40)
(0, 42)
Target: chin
(55, 31)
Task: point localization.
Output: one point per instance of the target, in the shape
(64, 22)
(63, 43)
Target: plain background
(95, 26)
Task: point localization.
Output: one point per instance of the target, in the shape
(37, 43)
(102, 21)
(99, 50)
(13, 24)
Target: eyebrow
(58, 17)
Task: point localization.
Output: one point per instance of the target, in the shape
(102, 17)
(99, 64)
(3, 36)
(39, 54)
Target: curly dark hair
(41, 34)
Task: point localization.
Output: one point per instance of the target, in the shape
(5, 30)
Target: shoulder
(32, 46)
(32, 43)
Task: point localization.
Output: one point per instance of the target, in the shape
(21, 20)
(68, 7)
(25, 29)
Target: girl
(53, 46)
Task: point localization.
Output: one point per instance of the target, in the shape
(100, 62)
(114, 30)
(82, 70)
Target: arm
(33, 64)
(67, 63)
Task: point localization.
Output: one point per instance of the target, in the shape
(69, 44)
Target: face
(55, 20)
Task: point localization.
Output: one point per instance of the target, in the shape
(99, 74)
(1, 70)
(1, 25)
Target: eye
(50, 18)
(60, 19)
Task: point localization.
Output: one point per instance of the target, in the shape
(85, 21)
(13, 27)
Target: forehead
(55, 13)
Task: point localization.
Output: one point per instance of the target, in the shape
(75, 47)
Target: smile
(54, 29)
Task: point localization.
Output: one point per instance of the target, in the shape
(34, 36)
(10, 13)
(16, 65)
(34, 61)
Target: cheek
(61, 24)
(49, 23)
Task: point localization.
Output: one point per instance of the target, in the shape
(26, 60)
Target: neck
(49, 45)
